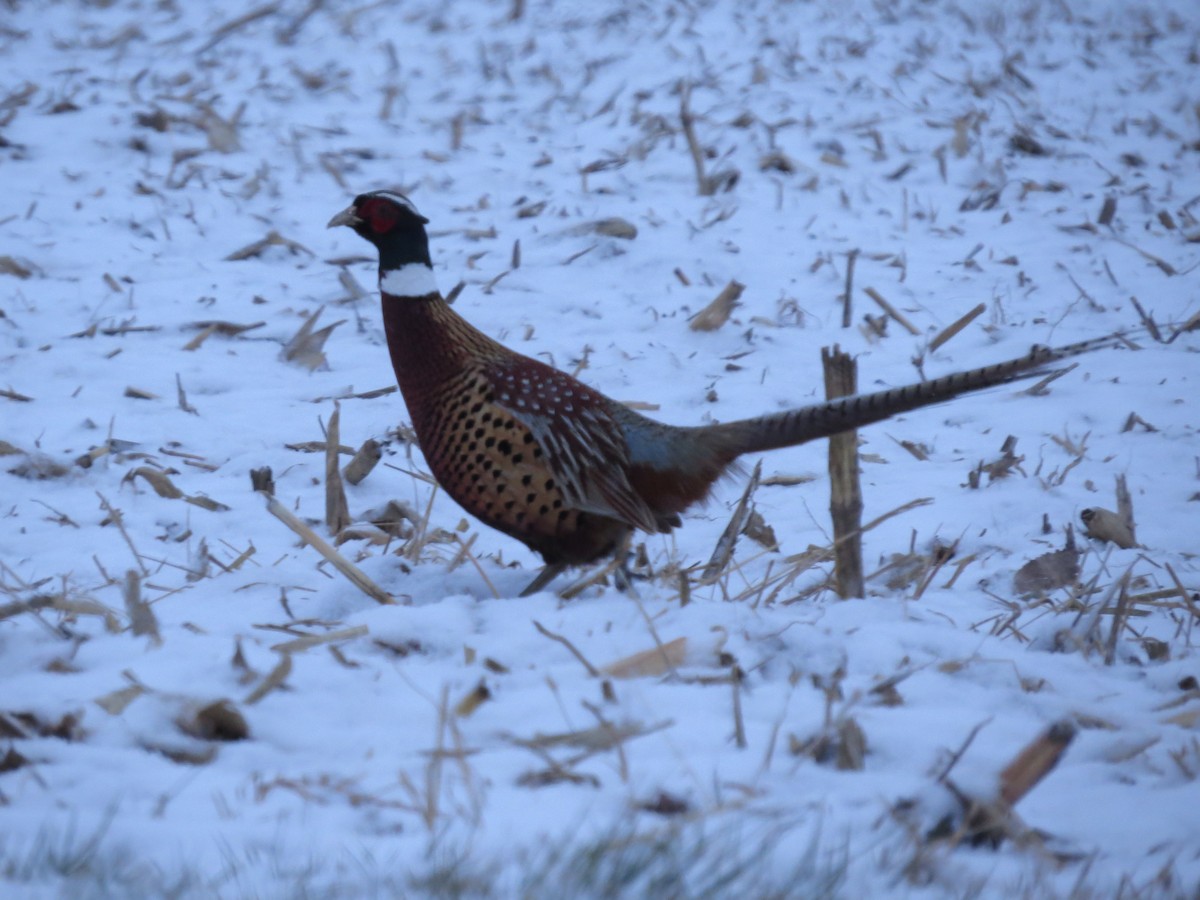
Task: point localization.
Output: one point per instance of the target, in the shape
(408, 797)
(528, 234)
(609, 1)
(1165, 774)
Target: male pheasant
(542, 457)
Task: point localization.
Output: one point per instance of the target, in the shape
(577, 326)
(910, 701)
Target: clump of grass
(691, 859)
(80, 864)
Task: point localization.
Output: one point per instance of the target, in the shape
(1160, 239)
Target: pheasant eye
(382, 216)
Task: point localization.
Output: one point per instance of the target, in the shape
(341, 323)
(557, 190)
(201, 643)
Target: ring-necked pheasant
(542, 457)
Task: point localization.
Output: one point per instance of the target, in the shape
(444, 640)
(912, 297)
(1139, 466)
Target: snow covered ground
(1039, 158)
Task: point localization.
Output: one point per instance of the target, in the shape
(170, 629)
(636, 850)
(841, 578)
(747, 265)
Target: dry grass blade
(1188, 719)
(848, 293)
(208, 329)
(531, 210)
(1035, 761)
(85, 460)
(596, 739)
(362, 395)
(300, 644)
(165, 487)
(184, 755)
(124, 328)
(787, 480)
(141, 617)
(205, 503)
(940, 557)
(555, 773)
(739, 725)
(273, 239)
(1038, 388)
(797, 564)
(65, 604)
(1119, 619)
(648, 663)
(422, 533)
(591, 670)
(162, 485)
(10, 265)
(641, 405)
(114, 516)
(891, 310)
(337, 514)
(717, 312)
(1125, 505)
(318, 447)
(371, 534)
(760, 531)
(598, 575)
(352, 572)
(115, 702)
(222, 132)
(181, 397)
(427, 799)
(17, 607)
(273, 680)
(951, 330)
(1147, 321)
(464, 554)
(1108, 209)
(706, 185)
(1163, 265)
(1189, 602)
(614, 227)
(472, 701)
(918, 451)
(841, 743)
(1084, 634)
(354, 290)
(1001, 467)
(1192, 323)
(225, 30)
(306, 347)
(723, 552)
(991, 821)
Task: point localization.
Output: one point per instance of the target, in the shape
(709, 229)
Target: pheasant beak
(348, 216)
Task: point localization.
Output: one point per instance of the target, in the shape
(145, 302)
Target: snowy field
(197, 703)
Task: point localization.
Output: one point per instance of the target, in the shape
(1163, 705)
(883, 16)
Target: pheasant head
(390, 221)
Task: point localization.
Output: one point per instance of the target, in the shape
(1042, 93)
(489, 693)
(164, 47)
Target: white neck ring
(412, 280)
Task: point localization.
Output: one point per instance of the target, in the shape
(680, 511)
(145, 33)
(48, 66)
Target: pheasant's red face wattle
(379, 215)
(388, 220)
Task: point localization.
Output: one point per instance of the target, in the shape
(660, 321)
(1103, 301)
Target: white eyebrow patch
(399, 199)
(413, 280)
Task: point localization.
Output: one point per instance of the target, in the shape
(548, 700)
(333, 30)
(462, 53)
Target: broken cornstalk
(845, 492)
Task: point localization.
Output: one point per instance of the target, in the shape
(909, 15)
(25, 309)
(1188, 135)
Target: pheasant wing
(582, 443)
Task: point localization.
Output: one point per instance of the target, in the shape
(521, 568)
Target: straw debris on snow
(321, 644)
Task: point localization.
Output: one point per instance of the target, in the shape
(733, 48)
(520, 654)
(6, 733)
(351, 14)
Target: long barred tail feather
(797, 426)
